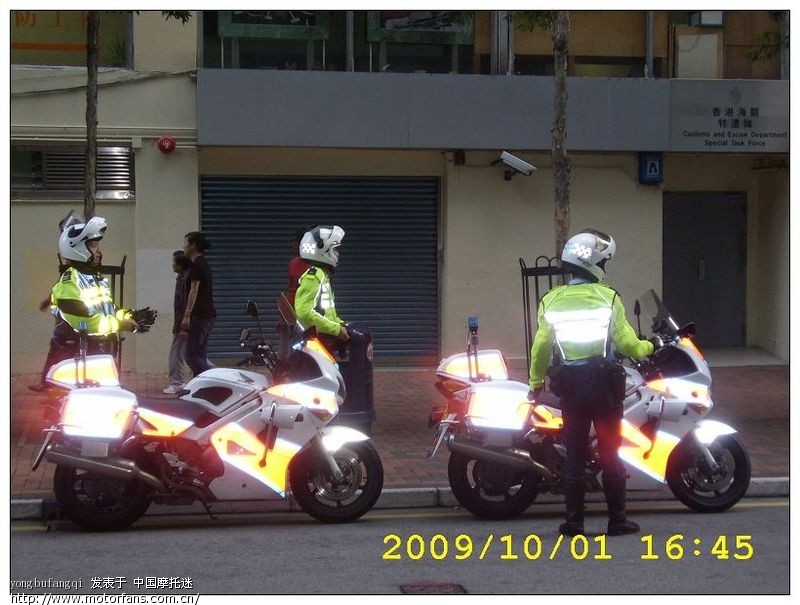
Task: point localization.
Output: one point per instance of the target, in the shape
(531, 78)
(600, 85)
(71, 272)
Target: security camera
(516, 164)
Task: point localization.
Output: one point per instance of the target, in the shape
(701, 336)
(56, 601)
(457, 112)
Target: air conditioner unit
(706, 18)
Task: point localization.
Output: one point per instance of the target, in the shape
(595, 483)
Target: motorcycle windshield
(654, 311)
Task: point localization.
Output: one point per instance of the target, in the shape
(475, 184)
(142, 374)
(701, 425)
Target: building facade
(391, 124)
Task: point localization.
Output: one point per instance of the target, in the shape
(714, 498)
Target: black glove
(657, 342)
(534, 394)
(144, 318)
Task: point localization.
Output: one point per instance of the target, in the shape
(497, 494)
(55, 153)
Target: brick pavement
(753, 399)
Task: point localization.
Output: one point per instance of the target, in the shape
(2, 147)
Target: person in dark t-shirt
(198, 318)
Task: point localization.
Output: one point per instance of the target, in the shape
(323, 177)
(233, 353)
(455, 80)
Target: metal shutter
(388, 275)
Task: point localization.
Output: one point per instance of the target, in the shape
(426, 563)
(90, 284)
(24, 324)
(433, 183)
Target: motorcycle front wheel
(701, 489)
(490, 490)
(332, 500)
(97, 502)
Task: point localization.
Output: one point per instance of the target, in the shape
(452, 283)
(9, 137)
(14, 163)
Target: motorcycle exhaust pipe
(110, 467)
(519, 459)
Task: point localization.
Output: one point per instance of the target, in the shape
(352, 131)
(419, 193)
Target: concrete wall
(164, 45)
(34, 270)
(135, 108)
(771, 283)
(490, 223)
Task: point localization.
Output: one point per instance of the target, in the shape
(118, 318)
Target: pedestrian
(297, 266)
(583, 317)
(198, 317)
(177, 351)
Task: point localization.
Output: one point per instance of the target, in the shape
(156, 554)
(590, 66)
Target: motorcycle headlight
(105, 413)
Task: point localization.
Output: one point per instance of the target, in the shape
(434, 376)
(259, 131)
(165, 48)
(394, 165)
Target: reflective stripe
(96, 295)
(583, 327)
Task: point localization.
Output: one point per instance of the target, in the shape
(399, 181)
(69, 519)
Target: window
(59, 172)
(59, 38)
(397, 41)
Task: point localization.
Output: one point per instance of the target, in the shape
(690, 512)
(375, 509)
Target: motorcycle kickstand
(329, 459)
(208, 510)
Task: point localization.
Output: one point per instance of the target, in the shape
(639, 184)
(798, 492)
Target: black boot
(573, 494)
(618, 523)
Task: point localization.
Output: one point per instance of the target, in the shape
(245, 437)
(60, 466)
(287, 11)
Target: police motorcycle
(505, 450)
(353, 360)
(232, 435)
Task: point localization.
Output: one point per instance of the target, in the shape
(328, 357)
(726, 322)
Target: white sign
(729, 116)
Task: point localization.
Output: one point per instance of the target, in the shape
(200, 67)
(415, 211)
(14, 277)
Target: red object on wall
(166, 144)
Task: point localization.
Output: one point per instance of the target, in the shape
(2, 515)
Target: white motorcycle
(232, 435)
(504, 450)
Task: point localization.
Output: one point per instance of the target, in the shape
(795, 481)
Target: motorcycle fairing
(682, 389)
(707, 431)
(308, 395)
(648, 456)
(99, 369)
(242, 449)
(162, 425)
(490, 364)
(501, 404)
(334, 437)
(545, 418)
(101, 412)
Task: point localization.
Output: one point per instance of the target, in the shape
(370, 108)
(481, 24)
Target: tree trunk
(90, 186)
(562, 165)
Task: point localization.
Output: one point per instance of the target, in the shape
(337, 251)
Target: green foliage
(530, 20)
(769, 45)
(184, 16)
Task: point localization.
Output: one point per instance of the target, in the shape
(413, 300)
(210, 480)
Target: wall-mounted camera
(515, 164)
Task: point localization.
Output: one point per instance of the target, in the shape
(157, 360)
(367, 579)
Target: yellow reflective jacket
(83, 297)
(580, 318)
(314, 302)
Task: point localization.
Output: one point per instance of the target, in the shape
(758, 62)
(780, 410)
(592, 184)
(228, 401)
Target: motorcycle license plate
(94, 449)
(40, 455)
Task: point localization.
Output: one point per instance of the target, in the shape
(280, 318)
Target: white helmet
(321, 243)
(72, 242)
(589, 250)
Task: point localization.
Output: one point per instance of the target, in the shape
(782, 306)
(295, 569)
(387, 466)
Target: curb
(42, 509)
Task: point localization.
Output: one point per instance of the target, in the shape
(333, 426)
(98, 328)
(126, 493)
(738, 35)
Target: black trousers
(587, 399)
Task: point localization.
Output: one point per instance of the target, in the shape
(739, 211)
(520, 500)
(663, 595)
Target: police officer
(583, 318)
(314, 302)
(83, 296)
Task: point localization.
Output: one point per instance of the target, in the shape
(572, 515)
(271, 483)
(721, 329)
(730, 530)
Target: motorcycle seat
(178, 408)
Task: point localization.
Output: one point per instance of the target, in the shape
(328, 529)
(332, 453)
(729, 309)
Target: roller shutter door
(388, 275)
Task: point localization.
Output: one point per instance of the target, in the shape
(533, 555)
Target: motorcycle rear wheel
(488, 490)
(693, 483)
(97, 502)
(332, 501)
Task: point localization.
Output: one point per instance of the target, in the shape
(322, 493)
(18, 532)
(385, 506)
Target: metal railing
(545, 273)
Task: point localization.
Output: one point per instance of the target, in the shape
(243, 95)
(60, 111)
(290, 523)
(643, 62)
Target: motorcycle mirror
(688, 330)
(244, 335)
(252, 308)
(637, 311)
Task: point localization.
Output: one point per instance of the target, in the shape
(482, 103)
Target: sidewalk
(753, 399)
